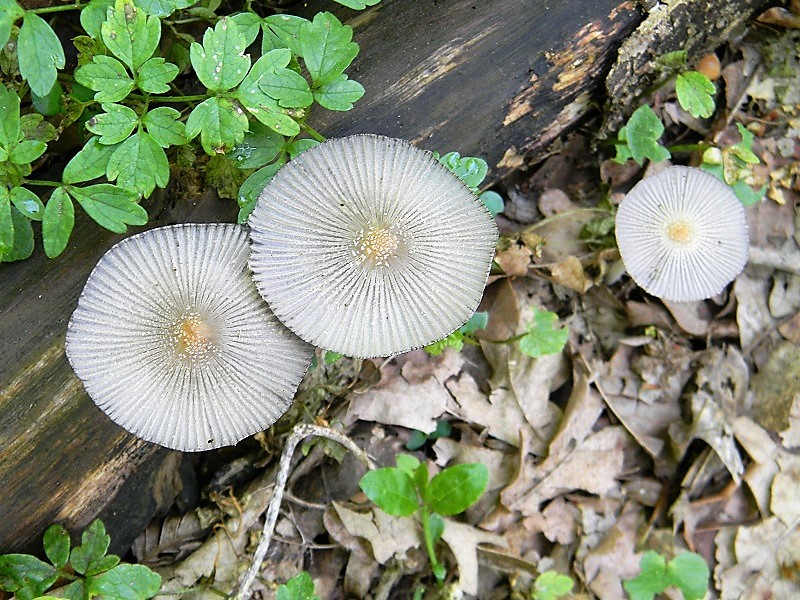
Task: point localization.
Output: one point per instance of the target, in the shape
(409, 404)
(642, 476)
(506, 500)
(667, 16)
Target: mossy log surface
(493, 78)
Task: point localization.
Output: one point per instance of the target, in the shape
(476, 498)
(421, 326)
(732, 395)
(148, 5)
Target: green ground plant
(83, 572)
(640, 138)
(551, 585)
(407, 488)
(135, 104)
(687, 572)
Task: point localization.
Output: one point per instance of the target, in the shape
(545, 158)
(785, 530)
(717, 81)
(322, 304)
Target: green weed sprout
(403, 490)
(687, 572)
(299, 587)
(551, 585)
(89, 569)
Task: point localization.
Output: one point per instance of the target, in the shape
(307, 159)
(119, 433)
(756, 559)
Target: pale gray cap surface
(173, 342)
(682, 234)
(368, 246)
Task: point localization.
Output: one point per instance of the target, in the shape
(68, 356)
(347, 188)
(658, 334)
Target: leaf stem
(43, 182)
(53, 9)
(701, 146)
(156, 99)
(312, 132)
(425, 516)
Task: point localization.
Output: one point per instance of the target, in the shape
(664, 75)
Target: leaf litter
(661, 426)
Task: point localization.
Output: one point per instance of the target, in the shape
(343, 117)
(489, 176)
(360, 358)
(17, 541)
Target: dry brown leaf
(761, 556)
(593, 466)
(752, 312)
(720, 396)
(387, 535)
(171, 541)
(411, 393)
(557, 521)
(500, 301)
(527, 382)
(463, 541)
(693, 317)
(764, 452)
(776, 388)
(500, 467)
(569, 273)
(514, 260)
(607, 551)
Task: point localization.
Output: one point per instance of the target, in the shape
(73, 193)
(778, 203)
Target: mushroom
(682, 234)
(368, 246)
(173, 342)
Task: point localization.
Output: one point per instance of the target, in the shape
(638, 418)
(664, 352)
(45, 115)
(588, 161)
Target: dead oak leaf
(463, 540)
(388, 536)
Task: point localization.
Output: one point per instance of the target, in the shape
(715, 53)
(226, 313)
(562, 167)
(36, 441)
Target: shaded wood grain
(493, 78)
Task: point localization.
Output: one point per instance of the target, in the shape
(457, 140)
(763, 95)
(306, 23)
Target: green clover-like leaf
(164, 8)
(252, 187)
(107, 77)
(56, 545)
(338, 93)
(221, 124)
(543, 337)
(643, 130)
(249, 25)
(114, 125)
(9, 118)
(89, 163)
(155, 74)
(695, 94)
(25, 575)
(130, 34)
(454, 489)
(358, 4)
(164, 125)
(6, 224)
(260, 146)
(220, 62)
(22, 247)
(326, 47)
(282, 31)
(126, 582)
(139, 164)
(288, 87)
(27, 151)
(112, 207)
(40, 54)
(93, 15)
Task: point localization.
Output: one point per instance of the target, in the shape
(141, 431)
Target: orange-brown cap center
(377, 244)
(680, 231)
(192, 337)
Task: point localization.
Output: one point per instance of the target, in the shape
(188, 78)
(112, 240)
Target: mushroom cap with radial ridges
(173, 342)
(368, 246)
(682, 234)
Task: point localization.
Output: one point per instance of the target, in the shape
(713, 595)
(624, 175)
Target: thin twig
(299, 432)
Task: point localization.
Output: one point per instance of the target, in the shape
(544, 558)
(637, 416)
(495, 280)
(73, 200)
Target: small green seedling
(418, 439)
(542, 336)
(472, 171)
(638, 139)
(551, 585)
(687, 572)
(299, 587)
(403, 490)
(695, 94)
(90, 570)
(462, 335)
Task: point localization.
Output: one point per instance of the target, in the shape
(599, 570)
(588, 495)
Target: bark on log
(493, 78)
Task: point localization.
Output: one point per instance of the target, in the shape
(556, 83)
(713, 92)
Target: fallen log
(495, 79)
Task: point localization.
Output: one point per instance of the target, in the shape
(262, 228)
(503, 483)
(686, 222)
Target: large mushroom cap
(368, 246)
(174, 343)
(682, 234)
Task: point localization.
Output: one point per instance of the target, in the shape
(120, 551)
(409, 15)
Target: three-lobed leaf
(643, 131)
(338, 93)
(456, 488)
(155, 74)
(26, 576)
(543, 337)
(130, 34)
(299, 587)
(688, 572)
(114, 208)
(326, 47)
(89, 163)
(107, 77)
(40, 54)
(139, 164)
(221, 124)
(126, 582)
(392, 490)
(262, 106)
(113, 125)
(220, 62)
(695, 94)
(163, 123)
(94, 539)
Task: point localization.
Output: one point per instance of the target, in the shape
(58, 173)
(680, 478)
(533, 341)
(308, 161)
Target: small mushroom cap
(682, 234)
(173, 342)
(368, 246)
